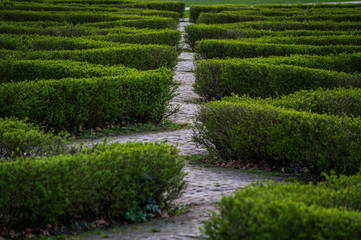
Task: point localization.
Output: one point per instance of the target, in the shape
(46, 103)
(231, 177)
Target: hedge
(234, 17)
(349, 63)
(198, 32)
(215, 48)
(70, 104)
(219, 78)
(37, 6)
(280, 137)
(290, 211)
(196, 10)
(144, 22)
(114, 181)
(142, 57)
(338, 101)
(21, 139)
(17, 71)
(90, 17)
(36, 42)
(311, 40)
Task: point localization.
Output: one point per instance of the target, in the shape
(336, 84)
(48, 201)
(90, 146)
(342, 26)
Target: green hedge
(219, 78)
(349, 63)
(71, 104)
(36, 42)
(234, 17)
(338, 101)
(117, 181)
(219, 48)
(280, 137)
(21, 139)
(142, 57)
(196, 10)
(279, 211)
(17, 71)
(198, 32)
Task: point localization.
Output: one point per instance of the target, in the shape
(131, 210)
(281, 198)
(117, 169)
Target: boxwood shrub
(142, 57)
(21, 139)
(114, 181)
(329, 210)
(17, 71)
(216, 48)
(71, 104)
(196, 10)
(257, 132)
(217, 78)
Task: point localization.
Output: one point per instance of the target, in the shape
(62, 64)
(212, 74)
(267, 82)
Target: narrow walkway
(206, 185)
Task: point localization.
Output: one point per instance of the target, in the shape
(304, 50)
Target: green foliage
(214, 48)
(17, 71)
(70, 104)
(330, 210)
(217, 78)
(142, 57)
(196, 10)
(198, 32)
(251, 131)
(21, 139)
(107, 180)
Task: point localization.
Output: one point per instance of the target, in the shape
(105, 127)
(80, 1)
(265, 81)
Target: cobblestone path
(206, 185)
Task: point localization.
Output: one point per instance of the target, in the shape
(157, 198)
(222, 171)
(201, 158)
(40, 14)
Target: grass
(252, 2)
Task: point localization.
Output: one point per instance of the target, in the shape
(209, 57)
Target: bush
(71, 104)
(219, 78)
(349, 63)
(113, 181)
(17, 71)
(253, 132)
(21, 139)
(142, 57)
(206, 49)
(339, 101)
(196, 10)
(290, 211)
(198, 32)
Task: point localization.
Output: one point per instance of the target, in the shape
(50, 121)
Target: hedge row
(21, 139)
(233, 17)
(219, 78)
(196, 10)
(280, 137)
(349, 63)
(117, 181)
(70, 104)
(311, 40)
(17, 71)
(270, 210)
(142, 57)
(198, 32)
(338, 101)
(211, 48)
(36, 42)
(104, 28)
(74, 17)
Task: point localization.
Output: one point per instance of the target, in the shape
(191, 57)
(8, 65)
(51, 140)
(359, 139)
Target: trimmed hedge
(17, 71)
(280, 137)
(338, 101)
(142, 57)
(71, 104)
(21, 139)
(36, 42)
(310, 40)
(349, 63)
(196, 10)
(330, 210)
(217, 48)
(115, 181)
(219, 78)
(198, 32)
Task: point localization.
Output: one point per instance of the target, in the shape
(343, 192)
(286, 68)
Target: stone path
(206, 185)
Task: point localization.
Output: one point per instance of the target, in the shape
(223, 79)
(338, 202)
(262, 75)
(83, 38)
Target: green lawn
(252, 2)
